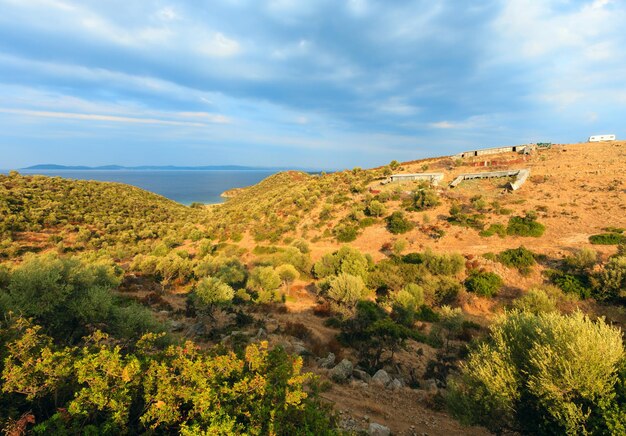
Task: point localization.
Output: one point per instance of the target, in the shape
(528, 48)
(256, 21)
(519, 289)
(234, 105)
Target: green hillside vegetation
(102, 285)
(90, 215)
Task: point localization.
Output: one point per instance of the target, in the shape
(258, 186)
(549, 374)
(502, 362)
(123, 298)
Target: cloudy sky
(313, 83)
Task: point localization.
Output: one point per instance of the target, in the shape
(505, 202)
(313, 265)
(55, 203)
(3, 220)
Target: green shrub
(535, 301)
(424, 197)
(413, 258)
(373, 334)
(543, 374)
(410, 298)
(485, 284)
(610, 282)
(265, 281)
(569, 283)
(367, 222)
(345, 291)
(101, 389)
(607, 239)
(375, 209)
(346, 232)
(443, 264)
(211, 292)
(441, 290)
(582, 260)
(346, 260)
(525, 226)
(520, 258)
(494, 229)
(397, 223)
(64, 294)
(463, 216)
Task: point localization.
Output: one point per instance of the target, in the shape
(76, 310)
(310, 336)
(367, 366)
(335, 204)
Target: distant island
(54, 167)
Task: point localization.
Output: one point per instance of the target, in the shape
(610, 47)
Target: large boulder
(381, 378)
(362, 375)
(378, 430)
(342, 371)
(395, 384)
(300, 349)
(328, 361)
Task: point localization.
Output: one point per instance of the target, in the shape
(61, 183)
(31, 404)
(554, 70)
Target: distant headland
(55, 167)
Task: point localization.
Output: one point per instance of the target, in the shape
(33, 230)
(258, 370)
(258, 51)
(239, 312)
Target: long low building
(495, 150)
(433, 178)
(520, 177)
(600, 138)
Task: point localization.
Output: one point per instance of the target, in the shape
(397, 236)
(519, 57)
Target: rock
(261, 334)
(381, 378)
(198, 329)
(395, 384)
(378, 430)
(359, 384)
(430, 385)
(362, 375)
(342, 371)
(176, 326)
(300, 350)
(328, 361)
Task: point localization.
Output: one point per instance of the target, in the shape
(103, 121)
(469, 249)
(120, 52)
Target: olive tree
(544, 374)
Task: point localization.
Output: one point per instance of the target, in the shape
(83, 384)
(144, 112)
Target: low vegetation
(544, 374)
(126, 313)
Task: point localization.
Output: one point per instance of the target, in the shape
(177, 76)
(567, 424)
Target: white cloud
(219, 45)
(112, 118)
(444, 125)
(167, 13)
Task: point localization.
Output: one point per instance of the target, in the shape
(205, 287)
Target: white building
(598, 138)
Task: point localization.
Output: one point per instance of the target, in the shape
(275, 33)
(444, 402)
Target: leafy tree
(543, 374)
(346, 260)
(373, 334)
(346, 232)
(397, 223)
(266, 282)
(376, 209)
(345, 291)
(485, 284)
(288, 274)
(536, 301)
(424, 197)
(211, 292)
(63, 294)
(410, 298)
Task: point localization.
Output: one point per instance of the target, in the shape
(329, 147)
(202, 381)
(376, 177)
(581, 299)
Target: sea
(182, 186)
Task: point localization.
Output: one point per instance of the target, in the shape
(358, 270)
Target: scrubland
(321, 304)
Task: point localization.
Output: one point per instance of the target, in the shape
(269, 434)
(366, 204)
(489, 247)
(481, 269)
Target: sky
(303, 83)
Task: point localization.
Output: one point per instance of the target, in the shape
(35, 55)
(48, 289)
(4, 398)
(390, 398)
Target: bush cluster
(544, 374)
(101, 388)
(485, 284)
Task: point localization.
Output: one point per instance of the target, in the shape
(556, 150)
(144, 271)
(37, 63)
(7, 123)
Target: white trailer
(599, 138)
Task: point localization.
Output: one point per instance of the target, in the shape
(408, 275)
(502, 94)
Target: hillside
(381, 289)
(566, 186)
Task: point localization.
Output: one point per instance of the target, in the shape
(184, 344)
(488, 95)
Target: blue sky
(324, 83)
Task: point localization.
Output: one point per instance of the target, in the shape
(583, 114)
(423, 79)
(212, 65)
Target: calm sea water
(184, 187)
